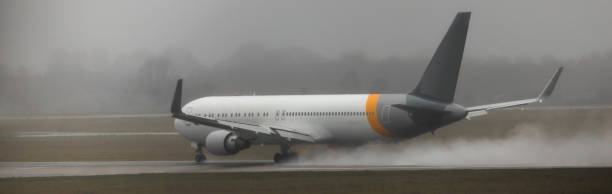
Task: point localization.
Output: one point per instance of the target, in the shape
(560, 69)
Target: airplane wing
(546, 92)
(259, 133)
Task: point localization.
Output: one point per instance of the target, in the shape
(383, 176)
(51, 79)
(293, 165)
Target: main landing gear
(285, 155)
(199, 157)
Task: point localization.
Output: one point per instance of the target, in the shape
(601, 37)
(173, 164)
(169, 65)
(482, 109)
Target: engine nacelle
(222, 142)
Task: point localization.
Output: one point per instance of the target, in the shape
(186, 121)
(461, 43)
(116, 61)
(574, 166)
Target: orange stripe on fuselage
(371, 106)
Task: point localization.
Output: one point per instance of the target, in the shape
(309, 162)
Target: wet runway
(49, 169)
(86, 134)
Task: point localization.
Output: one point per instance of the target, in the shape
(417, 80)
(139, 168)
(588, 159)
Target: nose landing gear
(199, 157)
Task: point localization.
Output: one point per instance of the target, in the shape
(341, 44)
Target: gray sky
(31, 31)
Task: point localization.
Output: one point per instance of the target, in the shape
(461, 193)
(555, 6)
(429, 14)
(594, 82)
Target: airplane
(225, 125)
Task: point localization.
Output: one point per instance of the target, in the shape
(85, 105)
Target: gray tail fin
(440, 78)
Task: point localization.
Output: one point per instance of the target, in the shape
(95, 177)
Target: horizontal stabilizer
(546, 92)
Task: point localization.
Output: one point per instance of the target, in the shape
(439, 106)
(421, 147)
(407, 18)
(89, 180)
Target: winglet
(176, 100)
(550, 86)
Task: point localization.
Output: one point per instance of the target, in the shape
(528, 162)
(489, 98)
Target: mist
(68, 57)
(68, 87)
(85, 57)
(526, 146)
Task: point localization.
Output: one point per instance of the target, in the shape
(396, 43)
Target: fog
(72, 57)
(525, 145)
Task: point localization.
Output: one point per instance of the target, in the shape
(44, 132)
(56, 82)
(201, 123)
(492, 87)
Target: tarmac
(55, 169)
(52, 169)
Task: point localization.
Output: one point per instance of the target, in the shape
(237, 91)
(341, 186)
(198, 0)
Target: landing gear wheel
(277, 158)
(199, 158)
(284, 155)
(282, 158)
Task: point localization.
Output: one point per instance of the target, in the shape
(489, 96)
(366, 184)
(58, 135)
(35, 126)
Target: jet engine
(222, 142)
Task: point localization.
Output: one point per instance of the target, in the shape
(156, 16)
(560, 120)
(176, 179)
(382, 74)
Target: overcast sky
(32, 30)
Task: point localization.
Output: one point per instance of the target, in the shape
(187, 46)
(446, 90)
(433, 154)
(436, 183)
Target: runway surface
(53, 169)
(86, 134)
(49, 169)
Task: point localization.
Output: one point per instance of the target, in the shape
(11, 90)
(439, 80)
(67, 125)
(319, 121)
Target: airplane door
(386, 114)
(280, 115)
(277, 115)
(283, 115)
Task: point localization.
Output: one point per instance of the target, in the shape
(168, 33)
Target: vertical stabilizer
(440, 78)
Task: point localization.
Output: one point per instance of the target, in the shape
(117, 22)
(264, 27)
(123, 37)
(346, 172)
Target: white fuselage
(329, 118)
